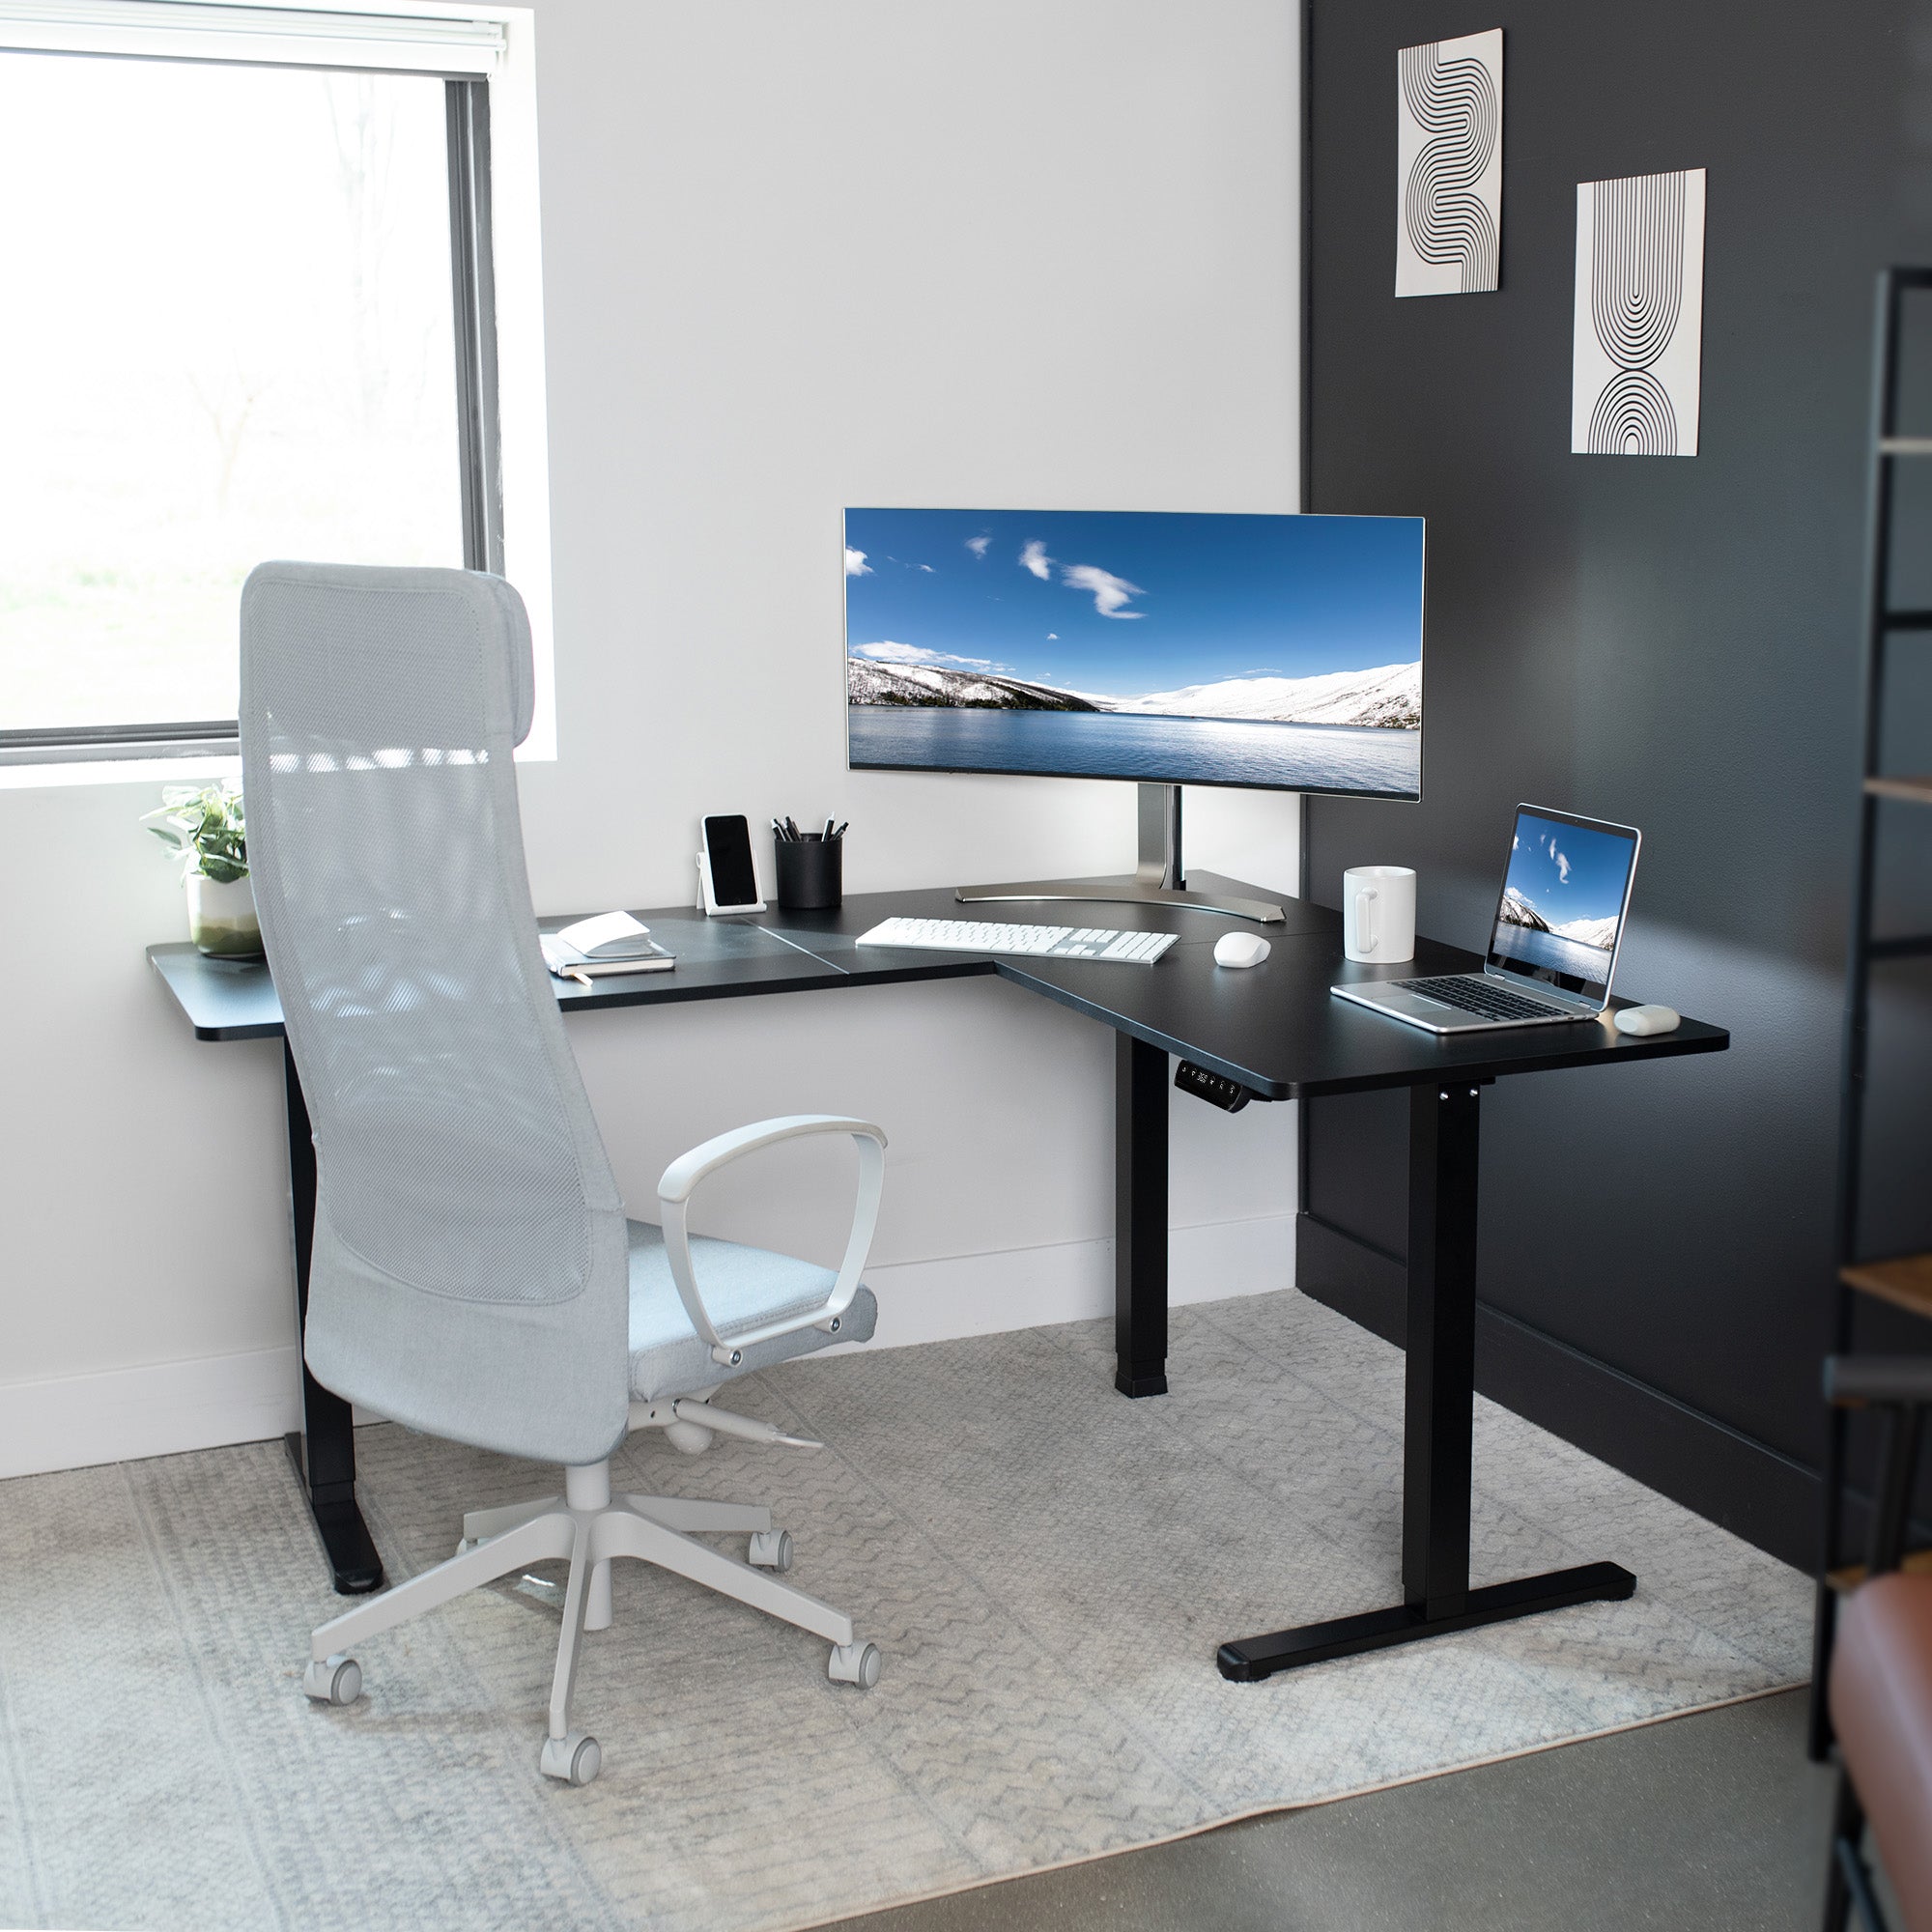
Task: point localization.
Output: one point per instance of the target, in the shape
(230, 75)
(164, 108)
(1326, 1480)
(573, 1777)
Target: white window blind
(444, 41)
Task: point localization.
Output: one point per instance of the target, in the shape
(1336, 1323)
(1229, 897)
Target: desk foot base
(1254, 1658)
(353, 1566)
(1139, 1385)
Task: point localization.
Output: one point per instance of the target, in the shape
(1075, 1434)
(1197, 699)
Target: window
(251, 314)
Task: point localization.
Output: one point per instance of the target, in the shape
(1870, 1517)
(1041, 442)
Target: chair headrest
(381, 656)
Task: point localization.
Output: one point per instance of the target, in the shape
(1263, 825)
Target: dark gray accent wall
(1671, 642)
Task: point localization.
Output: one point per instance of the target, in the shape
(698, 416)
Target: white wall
(1036, 253)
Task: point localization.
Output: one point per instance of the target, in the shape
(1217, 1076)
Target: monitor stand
(1159, 878)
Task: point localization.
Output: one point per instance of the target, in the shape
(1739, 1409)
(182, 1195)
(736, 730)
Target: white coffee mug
(1378, 913)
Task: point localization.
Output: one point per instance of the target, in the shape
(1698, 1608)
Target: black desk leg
(324, 1448)
(1441, 1378)
(1140, 1218)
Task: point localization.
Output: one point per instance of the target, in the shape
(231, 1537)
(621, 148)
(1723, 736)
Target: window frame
(472, 50)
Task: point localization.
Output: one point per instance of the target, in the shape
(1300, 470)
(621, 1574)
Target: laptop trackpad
(1436, 1012)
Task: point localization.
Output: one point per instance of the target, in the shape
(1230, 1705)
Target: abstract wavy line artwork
(1639, 324)
(1449, 166)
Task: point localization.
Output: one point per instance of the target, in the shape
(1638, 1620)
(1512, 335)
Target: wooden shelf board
(1906, 1282)
(1919, 790)
(1918, 1564)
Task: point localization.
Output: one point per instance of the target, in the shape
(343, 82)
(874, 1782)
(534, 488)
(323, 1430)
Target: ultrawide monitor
(1283, 652)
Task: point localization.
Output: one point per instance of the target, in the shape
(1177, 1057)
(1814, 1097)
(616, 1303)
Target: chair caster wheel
(572, 1760)
(854, 1663)
(771, 1549)
(333, 1680)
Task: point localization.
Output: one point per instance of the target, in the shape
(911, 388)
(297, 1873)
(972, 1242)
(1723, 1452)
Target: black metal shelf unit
(1905, 1281)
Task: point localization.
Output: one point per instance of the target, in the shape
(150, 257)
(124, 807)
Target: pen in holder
(811, 872)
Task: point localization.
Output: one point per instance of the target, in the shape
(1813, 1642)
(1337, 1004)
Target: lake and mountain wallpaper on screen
(1262, 650)
(1563, 897)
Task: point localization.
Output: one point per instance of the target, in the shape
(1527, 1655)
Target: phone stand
(707, 902)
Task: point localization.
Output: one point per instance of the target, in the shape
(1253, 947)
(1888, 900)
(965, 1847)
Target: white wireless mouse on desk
(1240, 948)
(1647, 1019)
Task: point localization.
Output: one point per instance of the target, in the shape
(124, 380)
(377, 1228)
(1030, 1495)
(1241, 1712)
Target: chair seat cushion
(1882, 1710)
(741, 1287)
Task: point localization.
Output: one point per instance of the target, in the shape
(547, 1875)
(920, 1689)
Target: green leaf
(205, 824)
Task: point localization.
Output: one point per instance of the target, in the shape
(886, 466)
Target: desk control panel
(1033, 941)
(1216, 1089)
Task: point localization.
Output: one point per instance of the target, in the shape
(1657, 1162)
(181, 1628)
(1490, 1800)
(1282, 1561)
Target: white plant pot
(221, 917)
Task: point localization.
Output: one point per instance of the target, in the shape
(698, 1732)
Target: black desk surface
(1275, 1028)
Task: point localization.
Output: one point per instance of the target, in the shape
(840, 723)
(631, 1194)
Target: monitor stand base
(1159, 880)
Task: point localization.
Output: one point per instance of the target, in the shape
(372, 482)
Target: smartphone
(728, 850)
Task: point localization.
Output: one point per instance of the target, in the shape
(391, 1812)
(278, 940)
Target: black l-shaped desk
(1275, 1029)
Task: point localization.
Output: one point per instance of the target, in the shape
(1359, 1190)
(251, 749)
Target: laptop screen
(1564, 896)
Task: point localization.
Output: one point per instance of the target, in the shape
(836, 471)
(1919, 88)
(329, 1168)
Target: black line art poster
(1449, 166)
(1639, 327)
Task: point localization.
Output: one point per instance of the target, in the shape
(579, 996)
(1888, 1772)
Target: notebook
(609, 944)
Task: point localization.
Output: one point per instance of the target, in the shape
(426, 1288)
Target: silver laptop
(1553, 947)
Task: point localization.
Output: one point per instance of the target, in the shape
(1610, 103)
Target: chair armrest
(684, 1173)
(1852, 1381)
(681, 1179)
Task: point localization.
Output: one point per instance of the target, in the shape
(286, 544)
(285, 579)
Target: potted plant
(205, 827)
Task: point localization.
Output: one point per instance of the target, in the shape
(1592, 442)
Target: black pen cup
(811, 872)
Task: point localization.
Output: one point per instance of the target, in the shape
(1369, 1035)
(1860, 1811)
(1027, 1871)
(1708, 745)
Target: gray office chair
(473, 1275)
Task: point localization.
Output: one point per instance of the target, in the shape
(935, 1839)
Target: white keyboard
(1035, 942)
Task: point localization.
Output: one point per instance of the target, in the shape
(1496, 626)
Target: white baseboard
(160, 1410)
(1072, 1281)
(122, 1414)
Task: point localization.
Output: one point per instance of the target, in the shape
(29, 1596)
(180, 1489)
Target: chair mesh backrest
(456, 1152)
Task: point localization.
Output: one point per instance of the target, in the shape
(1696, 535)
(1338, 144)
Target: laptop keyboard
(1474, 993)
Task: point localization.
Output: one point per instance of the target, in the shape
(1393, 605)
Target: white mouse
(1240, 948)
(1647, 1019)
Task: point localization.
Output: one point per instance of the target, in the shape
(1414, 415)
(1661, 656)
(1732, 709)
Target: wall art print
(1449, 166)
(1639, 330)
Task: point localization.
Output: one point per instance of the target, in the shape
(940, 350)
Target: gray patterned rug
(1047, 1567)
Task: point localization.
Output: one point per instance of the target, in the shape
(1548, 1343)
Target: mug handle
(1363, 900)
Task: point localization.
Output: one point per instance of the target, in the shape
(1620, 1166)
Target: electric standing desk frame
(1275, 1030)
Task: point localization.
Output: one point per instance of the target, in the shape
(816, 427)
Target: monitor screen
(1564, 894)
(1283, 652)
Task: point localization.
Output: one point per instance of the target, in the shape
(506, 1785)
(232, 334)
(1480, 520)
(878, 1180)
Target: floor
(973, 1503)
(1716, 1820)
